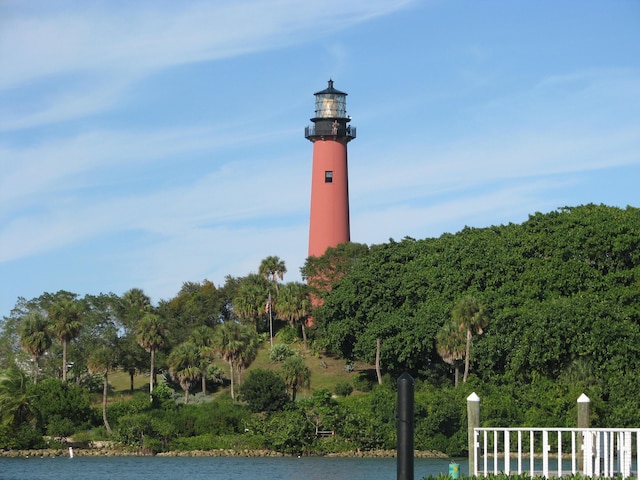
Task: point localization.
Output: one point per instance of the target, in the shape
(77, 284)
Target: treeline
(561, 292)
(529, 316)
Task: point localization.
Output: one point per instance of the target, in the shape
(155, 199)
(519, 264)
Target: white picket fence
(555, 452)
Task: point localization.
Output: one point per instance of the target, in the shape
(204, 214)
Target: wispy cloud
(127, 41)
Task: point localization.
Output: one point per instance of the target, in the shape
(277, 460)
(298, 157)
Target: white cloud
(126, 43)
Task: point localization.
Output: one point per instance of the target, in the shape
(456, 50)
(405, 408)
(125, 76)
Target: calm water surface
(223, 468)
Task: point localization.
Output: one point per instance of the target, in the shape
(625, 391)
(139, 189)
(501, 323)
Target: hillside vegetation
(529, 316)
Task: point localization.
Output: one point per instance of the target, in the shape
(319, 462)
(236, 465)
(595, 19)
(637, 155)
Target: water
(222, 468)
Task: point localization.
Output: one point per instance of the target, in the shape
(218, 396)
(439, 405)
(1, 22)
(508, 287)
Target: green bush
(264, 391)
(219, 442)
(63, 407)
(60, 427)
(362, 382)
(289, 431)
(138, 404)
(334, 445)
(22, 438)
(162, 397)
(343, 389)
(219, 417)
(280, 352)
(287, 334)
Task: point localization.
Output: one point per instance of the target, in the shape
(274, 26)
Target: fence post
(583, 422)
(473, 421)
(404, 420)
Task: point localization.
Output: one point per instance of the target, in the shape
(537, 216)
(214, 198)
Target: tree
(101, 362)
(66, 321)
(63, 406)
(249, 352)
(35, 339)
(321, 273)
(232, 340)
(16, 405)
(264, 391)
(185, 365)
(472, 317)
(296, 375)
(451, 346)
(203, 337)
(151, 336)
(272, 269)
(289, 431)
(294, 305)
(196, 305)
(250, 300)
(133, 305)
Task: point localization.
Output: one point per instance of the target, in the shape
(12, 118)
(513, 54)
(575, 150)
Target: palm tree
(471, 316)
(296, 374)
(133, 305)
(185, 366)
(294, 305)
(232, 340)
(35, 339)
(451, 346)
(66, 322)
(249, 300)
(251, 343)
(100, 362)
(272, 269)
(150, 335)
(203, 337)
(15, 404)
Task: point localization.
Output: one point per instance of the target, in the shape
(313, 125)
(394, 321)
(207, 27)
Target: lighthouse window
(328, 176)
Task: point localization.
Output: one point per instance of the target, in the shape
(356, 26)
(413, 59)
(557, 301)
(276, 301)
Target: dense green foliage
(534, 315)
(563, 291)
(264, 391)
(63, 408)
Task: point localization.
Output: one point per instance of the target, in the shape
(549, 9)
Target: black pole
(404, 423)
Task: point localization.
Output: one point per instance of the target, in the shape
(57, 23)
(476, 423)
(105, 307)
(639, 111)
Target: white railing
(551, 452)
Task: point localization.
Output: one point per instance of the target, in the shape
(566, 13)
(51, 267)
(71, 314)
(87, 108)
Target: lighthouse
(330, 134)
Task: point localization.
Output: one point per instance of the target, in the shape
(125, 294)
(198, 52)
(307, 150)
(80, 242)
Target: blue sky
(145, 144)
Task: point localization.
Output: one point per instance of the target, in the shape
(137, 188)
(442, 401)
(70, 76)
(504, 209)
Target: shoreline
(126, 452)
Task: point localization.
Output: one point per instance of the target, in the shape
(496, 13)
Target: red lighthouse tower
(330, 133)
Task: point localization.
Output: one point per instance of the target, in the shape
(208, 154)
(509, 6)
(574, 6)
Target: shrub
(280, 352)
(362, 382)
(63, 407)
(138, 404)
(60, 427)
(22, 438)
(287, 334)
(264, 391)
(343, 389)
(219, 442)
(162, 397)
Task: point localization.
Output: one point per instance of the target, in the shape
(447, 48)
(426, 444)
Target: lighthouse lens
(331, 106)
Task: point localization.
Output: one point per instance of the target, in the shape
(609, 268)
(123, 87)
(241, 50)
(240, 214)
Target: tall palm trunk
(466, 357)
(153, 371)
(304, 333)
(105, 389)
(186, 395)
(36, 369)
(64, 360)
(231, 377)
